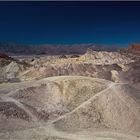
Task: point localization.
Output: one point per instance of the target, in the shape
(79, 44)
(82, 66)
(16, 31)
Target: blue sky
(115, 23)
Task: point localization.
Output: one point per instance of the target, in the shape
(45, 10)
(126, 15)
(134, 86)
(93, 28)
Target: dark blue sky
(70, 22)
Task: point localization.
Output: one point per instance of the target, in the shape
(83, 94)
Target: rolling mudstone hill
(105, 65)
(114, 66)
(69, 107)
(95, 95)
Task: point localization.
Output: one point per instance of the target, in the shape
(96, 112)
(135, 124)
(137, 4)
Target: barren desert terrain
(91, 96)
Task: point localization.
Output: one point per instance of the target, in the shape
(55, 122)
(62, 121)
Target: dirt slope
(56, 97)
(69, 107)
(116, 107)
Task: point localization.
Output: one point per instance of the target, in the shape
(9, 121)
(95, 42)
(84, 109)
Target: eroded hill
(52, 107)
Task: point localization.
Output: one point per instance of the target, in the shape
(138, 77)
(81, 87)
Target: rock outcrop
(10, 68)
(92, 64)
(134, 47)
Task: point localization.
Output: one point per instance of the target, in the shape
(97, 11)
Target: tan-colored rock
(115, 76)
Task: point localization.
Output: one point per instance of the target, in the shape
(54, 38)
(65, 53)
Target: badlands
(91, 96)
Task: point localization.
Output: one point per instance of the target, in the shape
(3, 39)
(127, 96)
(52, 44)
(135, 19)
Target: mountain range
(50, 49)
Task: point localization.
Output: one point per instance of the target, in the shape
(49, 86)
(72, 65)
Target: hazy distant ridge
(52, 49)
